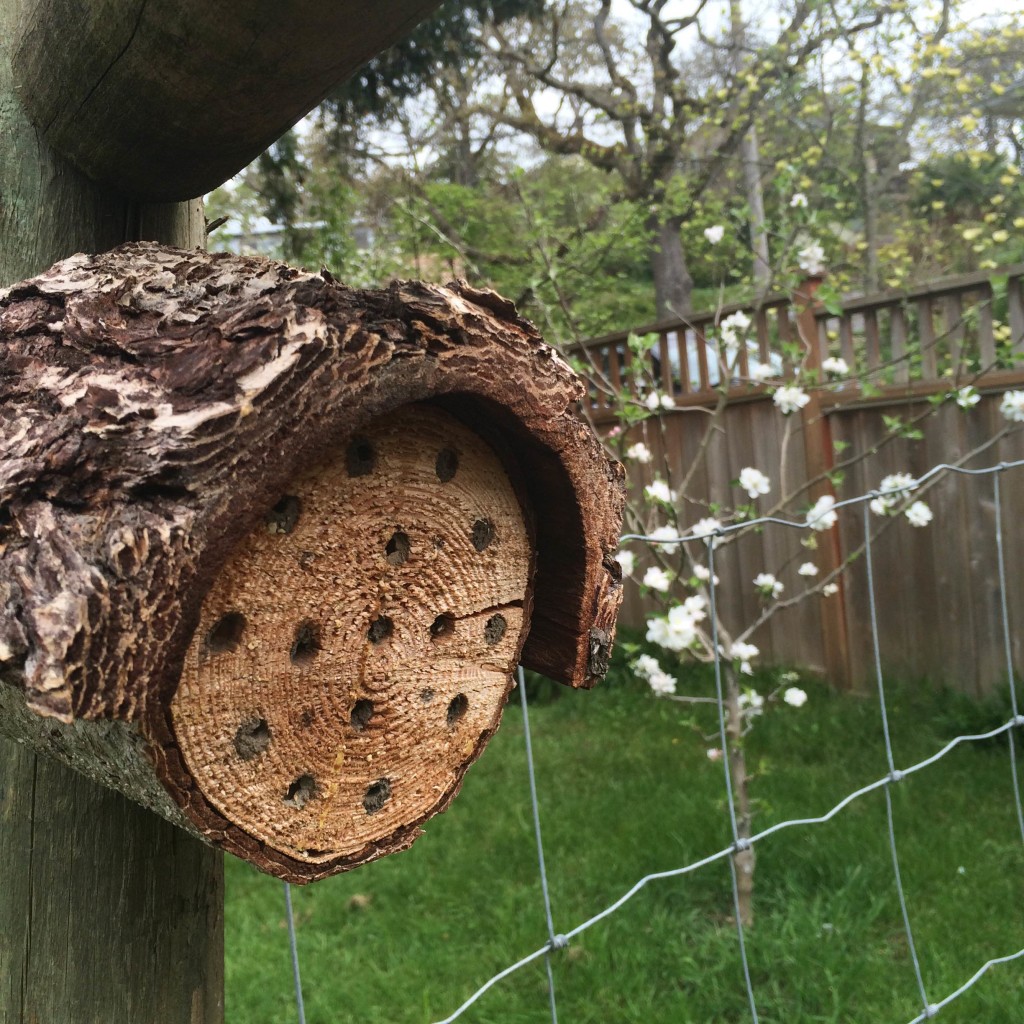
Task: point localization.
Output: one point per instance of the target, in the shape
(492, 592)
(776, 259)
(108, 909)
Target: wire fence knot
(896, 775)
(931, 1010)
(559, 942)
(741, 844)
(1018, 720)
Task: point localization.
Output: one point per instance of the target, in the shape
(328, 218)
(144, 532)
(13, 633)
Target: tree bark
(744, 860)
(762, 270)
(673, 285)
(235, 543)
(107, 912)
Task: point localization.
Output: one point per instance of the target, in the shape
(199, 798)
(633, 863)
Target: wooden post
(819, 456)
(107, 912)
(111, 115)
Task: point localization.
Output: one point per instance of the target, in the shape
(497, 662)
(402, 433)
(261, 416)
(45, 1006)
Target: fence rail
(956, 329)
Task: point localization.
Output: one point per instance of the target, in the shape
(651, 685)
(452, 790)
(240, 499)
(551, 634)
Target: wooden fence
(937, 588)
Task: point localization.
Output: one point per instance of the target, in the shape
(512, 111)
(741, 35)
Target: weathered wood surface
(48, 210)
(156, 405)
(109, 914)
(165, 101)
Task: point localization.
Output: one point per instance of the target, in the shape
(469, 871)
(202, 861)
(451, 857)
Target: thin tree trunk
(744, 861)
(107, 913)
(673, 285)
(762, 271)
(868, 171)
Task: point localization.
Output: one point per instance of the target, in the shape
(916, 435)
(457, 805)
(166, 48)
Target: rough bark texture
(165, 101)
(673, 284)
(158, 405)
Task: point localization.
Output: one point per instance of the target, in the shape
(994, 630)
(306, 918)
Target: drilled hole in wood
(380, 629)
(495, 628)
(457, 708)
(443, 625)
(377, 795)
(362, 712)
(301, 791)
(397, 549)
(226, 633)
(360, 458)
(306, 645)
(426, 695)
(252, 738)
(483, 534)
(447, 464)
(284, 515)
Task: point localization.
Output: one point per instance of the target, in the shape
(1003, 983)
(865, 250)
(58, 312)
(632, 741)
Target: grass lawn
(626, 789)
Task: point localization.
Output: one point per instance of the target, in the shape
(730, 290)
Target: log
(271, 548)
(165, 101)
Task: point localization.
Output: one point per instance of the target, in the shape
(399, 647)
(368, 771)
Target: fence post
(819, 456)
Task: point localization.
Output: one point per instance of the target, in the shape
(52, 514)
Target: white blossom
(967, 397)
(835, 365)
(798, 200)
(743, 651)
(737, 321)
(760, 372)
(658, 490)
(639, 452)
(894, 488)
(789, 398)
(664, 533)
(627, 562)
(703, 573)
(714, 754)
(919, 514)
(807, 569)
(754, 482)
(714, 234)
(1012, 406)
(657, 579)
(811, 259)
(829, 589)
(752, 700)
(768, 584)
(656, 677)
(677, 630)
(706, 527)
(795, 697)
(667, 402)
(653, 401)
(822, 515)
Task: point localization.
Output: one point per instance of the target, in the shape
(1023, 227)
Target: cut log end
(356, 650)
(288, 538)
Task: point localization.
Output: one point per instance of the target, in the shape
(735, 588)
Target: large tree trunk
(107, 913)
(673, 285)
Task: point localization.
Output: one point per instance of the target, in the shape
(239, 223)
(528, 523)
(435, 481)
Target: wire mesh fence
(930, 1002)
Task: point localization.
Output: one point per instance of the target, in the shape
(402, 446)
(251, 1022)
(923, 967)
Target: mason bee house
(271, 548)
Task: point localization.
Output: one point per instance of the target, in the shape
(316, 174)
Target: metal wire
(299, 1005)
(1011, 679)
(893, 776)
(876, 652)
(709, 543)
(552, 938)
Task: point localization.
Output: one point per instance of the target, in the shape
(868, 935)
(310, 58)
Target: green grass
(626, 789)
